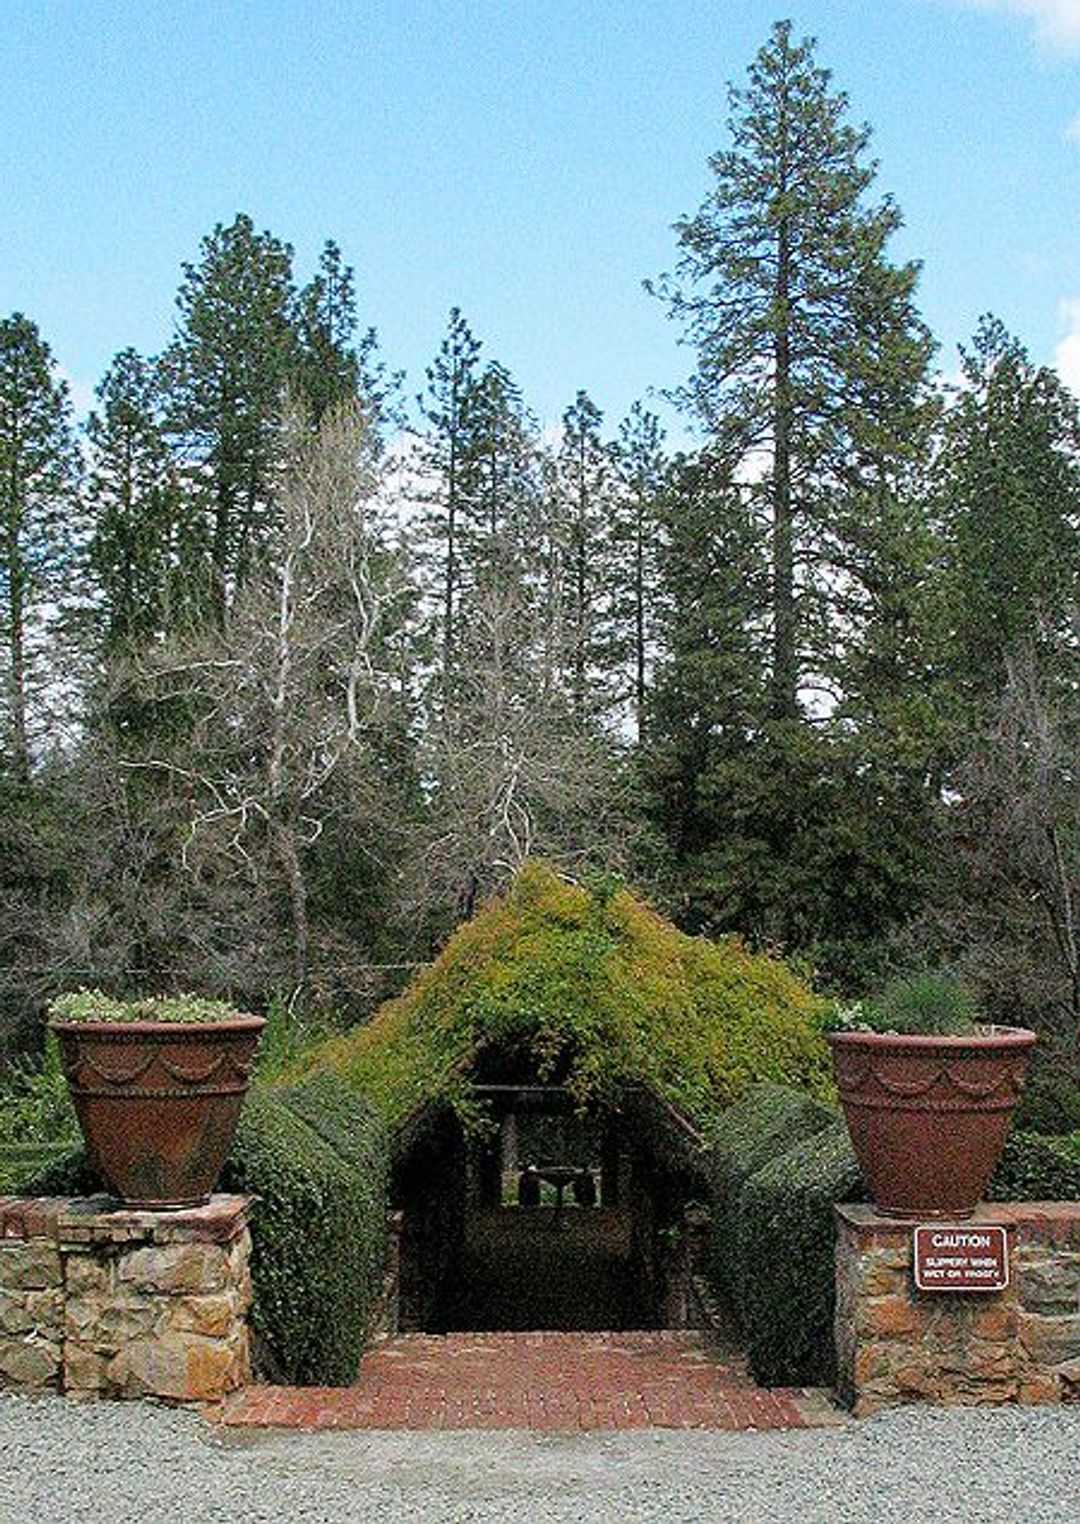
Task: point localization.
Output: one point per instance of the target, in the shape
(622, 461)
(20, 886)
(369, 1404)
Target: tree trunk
(785, 679)
(284, 843)
(20, 740)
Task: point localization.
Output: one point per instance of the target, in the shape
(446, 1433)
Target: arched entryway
(611, 1243)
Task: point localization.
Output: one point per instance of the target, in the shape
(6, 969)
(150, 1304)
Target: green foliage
(62, 1172)
(133, 494)
(22, 1165)
(766, 1121)
(1050, 1102)
(35, 1108)
(39, 529)
(289, 1033)
(783, 1248)
(926, 1004)
(1038, 1168)
(223, 380)
(352, 1129)
(604, 993)
(316, 1161)
(1010, 488)
(799, 568)
(93, 1005)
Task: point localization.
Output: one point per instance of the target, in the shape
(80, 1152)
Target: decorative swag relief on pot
(928, 1110)
(157, 1087)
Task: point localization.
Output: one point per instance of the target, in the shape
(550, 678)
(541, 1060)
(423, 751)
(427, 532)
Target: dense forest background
(300, 661)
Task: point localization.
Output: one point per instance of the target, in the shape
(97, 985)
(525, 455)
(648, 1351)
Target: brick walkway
(568, 1381)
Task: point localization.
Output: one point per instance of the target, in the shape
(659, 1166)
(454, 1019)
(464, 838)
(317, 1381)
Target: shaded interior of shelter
(472, 1258)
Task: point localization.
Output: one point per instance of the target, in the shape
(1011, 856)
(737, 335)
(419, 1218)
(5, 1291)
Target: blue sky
(522, 160)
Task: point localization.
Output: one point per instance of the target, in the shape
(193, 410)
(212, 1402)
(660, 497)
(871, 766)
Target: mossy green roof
(597, 986)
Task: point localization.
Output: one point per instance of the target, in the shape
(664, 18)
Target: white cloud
(1057, 22)
(1067, 352)
(1072, 131)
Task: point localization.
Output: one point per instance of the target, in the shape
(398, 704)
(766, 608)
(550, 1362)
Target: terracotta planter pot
(158, 1101)
(928, 1116)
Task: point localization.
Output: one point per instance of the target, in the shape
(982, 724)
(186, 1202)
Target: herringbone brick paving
(566, 1381)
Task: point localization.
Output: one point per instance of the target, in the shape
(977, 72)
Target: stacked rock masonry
(896, 1344)
(101, 1303)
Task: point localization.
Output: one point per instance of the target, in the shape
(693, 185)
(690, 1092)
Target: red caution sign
(964, 1257)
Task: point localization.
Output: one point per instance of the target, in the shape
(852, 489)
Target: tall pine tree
(137, 548)
(811, 358)
(811, 387)
(38, 483)
(226, 375)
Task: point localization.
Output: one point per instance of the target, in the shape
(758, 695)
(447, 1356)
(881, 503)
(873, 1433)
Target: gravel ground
(137, 1464)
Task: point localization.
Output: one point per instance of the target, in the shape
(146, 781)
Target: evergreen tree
(810, 354)
(225, 376)
(448, 466)
(706, 708)
(1010, 472)
(335, 362)
(641, 469)
(582, 510)
(38, 523)
(133, 492)
(811, 386)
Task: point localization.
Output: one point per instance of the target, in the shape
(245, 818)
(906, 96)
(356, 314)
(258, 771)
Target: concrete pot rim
(157, 1028)
(983, 1038)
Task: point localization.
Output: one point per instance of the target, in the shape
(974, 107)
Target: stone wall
(101, 1303)
(896, 1344)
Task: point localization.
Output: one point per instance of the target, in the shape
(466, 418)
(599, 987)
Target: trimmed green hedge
(65, 1174)
(783, 1257)
(351, 1127)
(318, 1228)
(765, 1122)
(21, 1163)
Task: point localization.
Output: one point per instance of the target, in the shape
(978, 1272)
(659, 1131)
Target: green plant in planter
(93, 1005)
(157, 1086)
(930, 1004)
(928, 1092)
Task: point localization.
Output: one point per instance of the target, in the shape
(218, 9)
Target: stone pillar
(612, 1167)
(31, 1296)
(138, 1304)
(896, 1344)
(386, 1315)
(509, 1142)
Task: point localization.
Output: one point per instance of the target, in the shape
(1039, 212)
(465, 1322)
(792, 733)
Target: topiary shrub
(317, 1231)
(23, 1164)
(349, 1125)
(784, 1258)
(765, 1122)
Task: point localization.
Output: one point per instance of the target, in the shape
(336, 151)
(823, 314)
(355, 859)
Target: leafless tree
(286, 700)
(1018, 841)
(511, 772)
